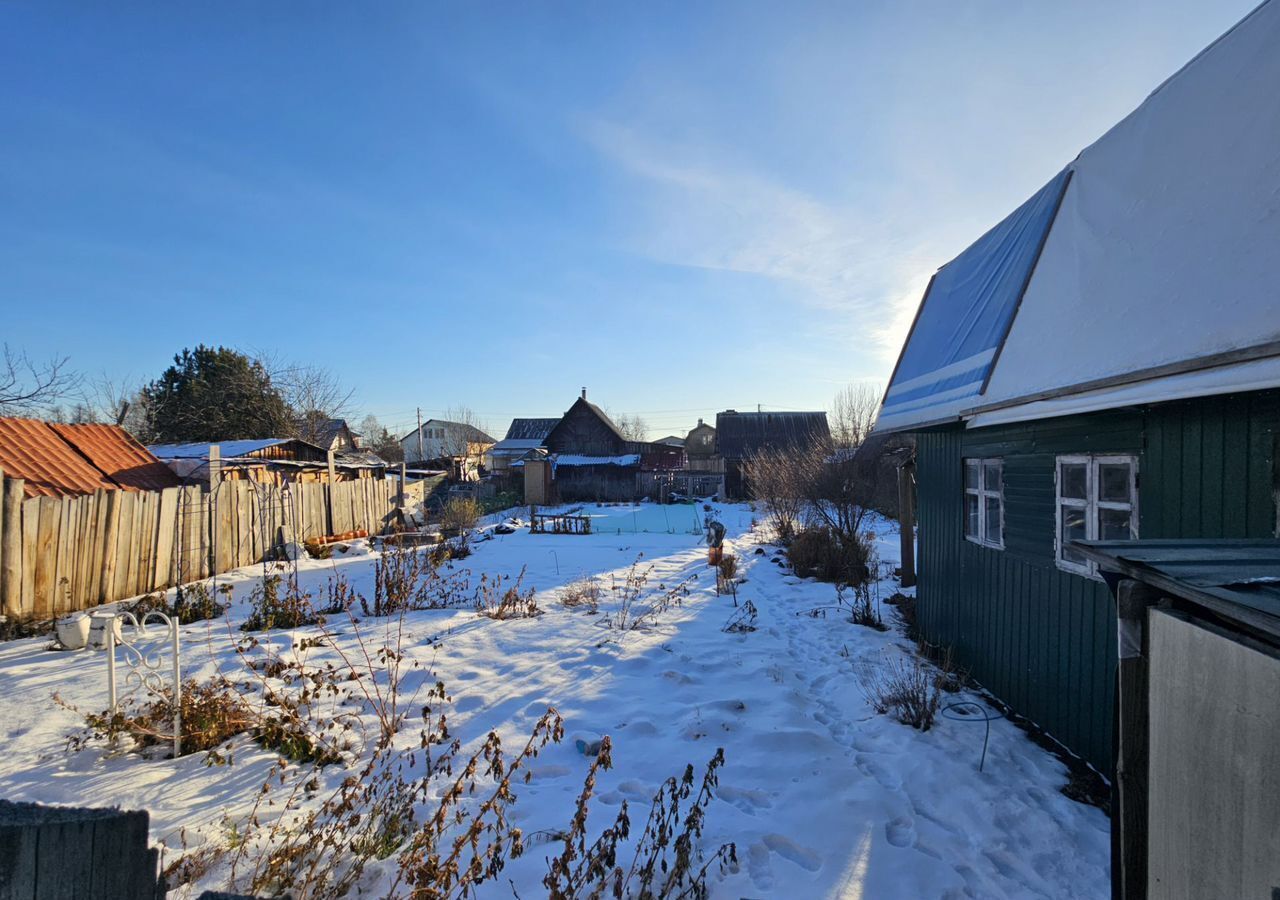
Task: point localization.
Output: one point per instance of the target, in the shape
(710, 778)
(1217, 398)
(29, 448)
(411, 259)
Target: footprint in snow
(901, 832)
(878, 770)
(793, 852)
(747, 800)
(759, 868)
(467, 704)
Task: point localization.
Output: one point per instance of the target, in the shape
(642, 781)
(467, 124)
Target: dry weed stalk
(582, 594)
(495, 601)
(668, 861)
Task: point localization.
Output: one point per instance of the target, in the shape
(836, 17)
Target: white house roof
(1156, 277)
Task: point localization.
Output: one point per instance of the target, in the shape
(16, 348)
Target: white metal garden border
(145, 667)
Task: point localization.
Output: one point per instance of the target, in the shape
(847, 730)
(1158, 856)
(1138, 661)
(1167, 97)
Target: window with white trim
(984, 502)
(1097, 500)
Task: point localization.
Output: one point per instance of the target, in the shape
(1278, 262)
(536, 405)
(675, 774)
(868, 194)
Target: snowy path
(823, 797)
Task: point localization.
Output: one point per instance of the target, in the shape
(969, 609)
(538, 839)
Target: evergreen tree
(214, 394)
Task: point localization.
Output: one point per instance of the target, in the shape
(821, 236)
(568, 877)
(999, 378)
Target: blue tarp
(965, 316)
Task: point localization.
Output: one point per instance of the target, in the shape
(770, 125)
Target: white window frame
(1091, 504)
(983, 494)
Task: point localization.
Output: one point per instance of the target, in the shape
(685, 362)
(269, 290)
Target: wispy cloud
(701, 210)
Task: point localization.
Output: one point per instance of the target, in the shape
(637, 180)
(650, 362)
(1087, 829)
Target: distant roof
(470, 433)
(530, 429)
(61, 460)
(1144, 271)
(329, 429)
(359, 459)
(227, 449)
(600, 414)
(514, 447)
(671, 440)
(741, 434)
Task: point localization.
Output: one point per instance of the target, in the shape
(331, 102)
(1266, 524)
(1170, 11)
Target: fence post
(328, 494)
(177, 688)
(11, 546)
(907, 521)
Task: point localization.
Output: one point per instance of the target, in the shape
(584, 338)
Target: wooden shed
(740, 435)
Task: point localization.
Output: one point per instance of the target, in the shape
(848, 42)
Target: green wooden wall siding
(1042, 639)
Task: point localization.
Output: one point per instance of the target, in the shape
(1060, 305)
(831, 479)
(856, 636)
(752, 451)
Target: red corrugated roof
(122, 459)
(34, 452)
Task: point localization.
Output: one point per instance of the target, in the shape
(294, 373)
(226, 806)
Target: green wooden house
(1103, 364)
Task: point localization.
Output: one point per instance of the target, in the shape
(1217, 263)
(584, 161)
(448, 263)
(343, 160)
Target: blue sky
(683, 206)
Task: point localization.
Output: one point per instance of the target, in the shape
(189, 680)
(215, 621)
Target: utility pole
(420, 456)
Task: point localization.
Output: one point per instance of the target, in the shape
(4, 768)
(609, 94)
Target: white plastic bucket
(98, 625)
(73, 631)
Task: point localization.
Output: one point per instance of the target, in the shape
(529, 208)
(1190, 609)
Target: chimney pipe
(584, 393)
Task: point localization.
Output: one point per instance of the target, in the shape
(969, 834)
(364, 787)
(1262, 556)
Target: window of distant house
(984, 502)
(1097, 501)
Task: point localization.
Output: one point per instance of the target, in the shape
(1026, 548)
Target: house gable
(586, 430)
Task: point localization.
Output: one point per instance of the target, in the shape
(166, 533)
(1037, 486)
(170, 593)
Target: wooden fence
(61, 554)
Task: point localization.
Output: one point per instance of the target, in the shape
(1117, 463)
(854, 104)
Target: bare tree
(26, 385)
(376, 438)
(460, 441)
(314, 395)
(118, 401)
(772, 477)
(853, 414)
(633, 428)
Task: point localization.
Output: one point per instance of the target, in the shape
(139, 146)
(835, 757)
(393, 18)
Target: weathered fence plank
(50, 512)
(14, 603)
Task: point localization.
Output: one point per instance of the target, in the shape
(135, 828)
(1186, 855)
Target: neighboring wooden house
(700, 448)
(458, 446)
(741, 435)
(1102, 364)
(267, 461)
(336, 435)
(590, 458)
(525, 436)
(55, 460)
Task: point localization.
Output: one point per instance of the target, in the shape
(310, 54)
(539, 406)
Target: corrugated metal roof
(573, 459)
(739, 435)
(114, 452)
(34, 452)
(530, 429)
(1238, 579)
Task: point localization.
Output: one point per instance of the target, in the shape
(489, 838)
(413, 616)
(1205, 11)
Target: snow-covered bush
(907, 687)
(821, 552)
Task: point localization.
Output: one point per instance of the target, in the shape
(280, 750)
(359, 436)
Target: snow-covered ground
(822, 796)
